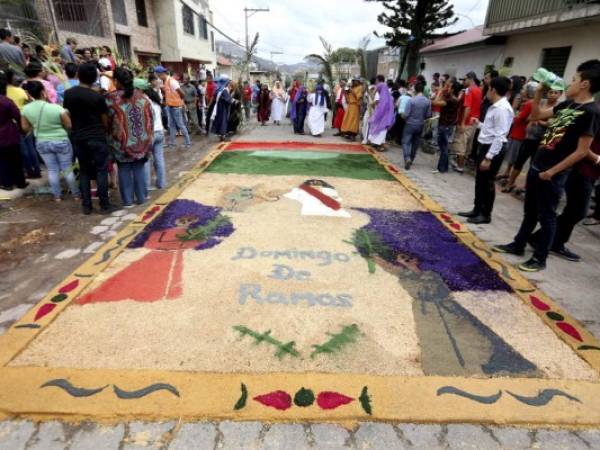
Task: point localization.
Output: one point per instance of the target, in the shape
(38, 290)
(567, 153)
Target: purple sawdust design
(420, 235)
(179, 209)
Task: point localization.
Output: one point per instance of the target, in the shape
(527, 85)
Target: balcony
(506, 16)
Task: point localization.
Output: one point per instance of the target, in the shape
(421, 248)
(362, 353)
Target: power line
(225, 35)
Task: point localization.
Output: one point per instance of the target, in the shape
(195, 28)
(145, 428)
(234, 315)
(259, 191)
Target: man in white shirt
(492, 138)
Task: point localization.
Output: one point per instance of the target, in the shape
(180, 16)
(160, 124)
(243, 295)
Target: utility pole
(249, 12)
(272, 62)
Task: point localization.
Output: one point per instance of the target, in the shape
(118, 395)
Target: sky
(294, 26)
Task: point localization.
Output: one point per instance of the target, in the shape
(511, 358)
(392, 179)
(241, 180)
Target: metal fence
(500, 11)
(79, 16)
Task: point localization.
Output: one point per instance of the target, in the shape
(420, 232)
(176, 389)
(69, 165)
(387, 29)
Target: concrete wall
(143, 39)
(526, 49)
(177, 45)
(459, 63)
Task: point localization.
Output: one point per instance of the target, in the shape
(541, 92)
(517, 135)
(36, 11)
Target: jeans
(485, 186)
(93, 163)
(411, 138)
(579, 195)
(29, 156)
(175, 115)
(247, 109)
(541, 201)
(158, 161)
(58, 157)
(132, 180)
(443, 138)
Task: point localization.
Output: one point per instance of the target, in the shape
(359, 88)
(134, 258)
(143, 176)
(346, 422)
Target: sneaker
(511, 249)
(435, 171)
(152, 188)
(407, 164)
(565, 253)
(591, 221)
(128, 206)
(532, 265)
(87, 210)
(458, 169)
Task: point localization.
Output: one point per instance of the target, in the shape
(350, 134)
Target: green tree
(412, 23)
(326, 60)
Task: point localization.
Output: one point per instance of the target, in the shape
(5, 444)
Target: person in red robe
(338, 113)
(264, 105)
(157, 275)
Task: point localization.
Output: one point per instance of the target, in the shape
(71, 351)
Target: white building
(555, 34)
(469, 51)
(185, 37)
(520, 36)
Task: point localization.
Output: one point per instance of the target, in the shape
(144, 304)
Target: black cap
(471, 75)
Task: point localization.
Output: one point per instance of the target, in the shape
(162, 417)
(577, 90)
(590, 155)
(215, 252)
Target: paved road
(43, 242)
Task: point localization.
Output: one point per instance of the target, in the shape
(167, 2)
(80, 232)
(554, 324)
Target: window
(123, 46)
(188, 19)
(212, 41)
(79, 16)
(119, 11)
(70, 11)
(140, 9)
(203, 27)
(556, 59)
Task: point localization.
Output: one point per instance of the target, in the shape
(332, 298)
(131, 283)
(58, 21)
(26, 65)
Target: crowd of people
(111, 124)
(79, 113)
(493, 123)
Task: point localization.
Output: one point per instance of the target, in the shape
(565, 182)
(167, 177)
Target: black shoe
(407, 164)
(471, 213)
(87, 210)
(511, 249)
(532, 265)
(565, 253)
(7, 188)
(108, 209)
(480, 219)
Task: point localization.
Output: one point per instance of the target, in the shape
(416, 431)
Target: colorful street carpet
(297, 281)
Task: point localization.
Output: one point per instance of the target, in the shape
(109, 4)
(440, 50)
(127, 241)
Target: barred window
(188, 19)
(79, 16)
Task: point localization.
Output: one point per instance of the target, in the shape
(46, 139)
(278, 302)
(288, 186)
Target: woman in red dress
(264, 105)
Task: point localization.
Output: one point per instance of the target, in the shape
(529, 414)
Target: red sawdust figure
(156, 276)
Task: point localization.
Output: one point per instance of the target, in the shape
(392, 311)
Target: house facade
(127, 26)
(469, 51)
(555, 34)
(186, 39)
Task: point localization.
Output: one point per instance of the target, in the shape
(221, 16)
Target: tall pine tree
(412, 23)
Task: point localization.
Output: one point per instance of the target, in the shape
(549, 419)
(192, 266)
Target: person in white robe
(278, 103)
(319, 103)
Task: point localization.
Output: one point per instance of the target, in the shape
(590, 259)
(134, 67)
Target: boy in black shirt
(89, 115)
(567, 141)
